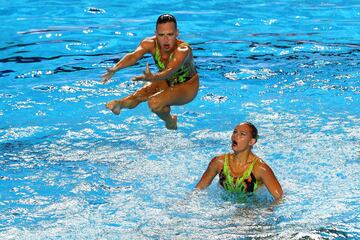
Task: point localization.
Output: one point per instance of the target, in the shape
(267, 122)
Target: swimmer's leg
(128, 102)
(164, 114)
(136, 98)
(176, 95)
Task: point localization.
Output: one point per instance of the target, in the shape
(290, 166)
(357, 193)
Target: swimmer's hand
(106, 76)
(148, 76)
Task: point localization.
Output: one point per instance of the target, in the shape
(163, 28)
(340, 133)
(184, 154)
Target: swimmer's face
(242, 139)
(166, 34)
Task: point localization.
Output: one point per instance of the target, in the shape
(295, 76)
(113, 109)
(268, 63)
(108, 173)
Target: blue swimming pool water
(72, 170)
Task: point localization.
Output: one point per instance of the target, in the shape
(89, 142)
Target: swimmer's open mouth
(234, 143)
(167, 46)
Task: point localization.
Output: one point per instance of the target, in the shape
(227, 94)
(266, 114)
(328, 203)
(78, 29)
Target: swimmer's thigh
(179, 94)
(150, 89)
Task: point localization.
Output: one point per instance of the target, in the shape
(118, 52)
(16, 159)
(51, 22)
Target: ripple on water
(210, 97)
(87, 83)
(94, 10)
(72, 89)
(6, 95)
(44, 88)
(262, 74)
(34, 74)
(12, 134)
(86, 47)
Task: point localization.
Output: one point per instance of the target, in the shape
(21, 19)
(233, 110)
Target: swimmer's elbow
(278, 195)
(201, 185)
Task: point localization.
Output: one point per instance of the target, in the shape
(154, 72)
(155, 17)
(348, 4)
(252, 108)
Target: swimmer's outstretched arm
(128, 60)
(209, 174)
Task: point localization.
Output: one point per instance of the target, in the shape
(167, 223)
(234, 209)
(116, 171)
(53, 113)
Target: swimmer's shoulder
(261, 168)
(218, 162)
(148, 43)
(183, 46)
(149, 39)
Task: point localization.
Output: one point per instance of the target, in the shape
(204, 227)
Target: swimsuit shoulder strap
(157, 57)
(184, 44)
(249, 170)
(226, 165)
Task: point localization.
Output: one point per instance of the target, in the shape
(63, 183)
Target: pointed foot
(172, 125)
(114, 106)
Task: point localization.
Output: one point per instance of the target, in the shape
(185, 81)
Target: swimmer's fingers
(147, 75)
(148, 68)
(139, 78)
(105, 79)
(106, 76)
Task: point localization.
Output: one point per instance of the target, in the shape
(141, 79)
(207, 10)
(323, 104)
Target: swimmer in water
(242, 171)
(177, 81)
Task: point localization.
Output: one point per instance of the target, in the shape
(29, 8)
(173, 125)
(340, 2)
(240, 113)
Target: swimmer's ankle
(172, 125)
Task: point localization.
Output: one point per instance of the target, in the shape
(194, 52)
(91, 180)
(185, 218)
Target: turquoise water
(70, 169)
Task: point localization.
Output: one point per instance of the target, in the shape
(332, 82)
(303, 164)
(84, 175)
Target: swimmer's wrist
(112, 70)
(157, 78)
(152, 78)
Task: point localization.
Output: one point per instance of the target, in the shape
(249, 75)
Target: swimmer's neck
(243, 157)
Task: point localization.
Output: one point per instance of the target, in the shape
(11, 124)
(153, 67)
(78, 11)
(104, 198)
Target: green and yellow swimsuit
(182, 75)
(246, 183)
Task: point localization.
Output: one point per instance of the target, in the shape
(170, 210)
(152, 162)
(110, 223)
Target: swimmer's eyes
(241, 133)
(169, 34)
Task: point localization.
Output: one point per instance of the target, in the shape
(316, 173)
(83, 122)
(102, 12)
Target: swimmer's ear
(177, 32)
(253, 141)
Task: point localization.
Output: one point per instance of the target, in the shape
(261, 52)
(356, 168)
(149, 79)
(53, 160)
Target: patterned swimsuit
(246, 183)
(183, 74)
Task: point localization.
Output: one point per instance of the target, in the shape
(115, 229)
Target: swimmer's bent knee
(156, 107)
